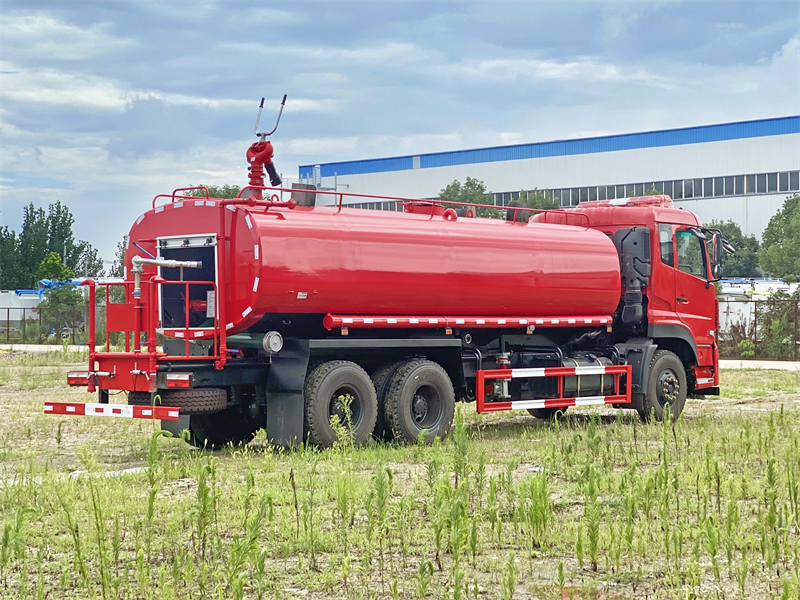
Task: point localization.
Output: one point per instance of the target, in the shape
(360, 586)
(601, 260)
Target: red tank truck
(280, 314)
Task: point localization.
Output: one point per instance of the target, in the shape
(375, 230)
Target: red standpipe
(90, 282)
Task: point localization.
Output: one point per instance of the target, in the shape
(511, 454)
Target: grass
(596, 505)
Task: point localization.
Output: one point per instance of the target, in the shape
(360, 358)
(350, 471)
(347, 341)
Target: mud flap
(637, 352)
(285, 408)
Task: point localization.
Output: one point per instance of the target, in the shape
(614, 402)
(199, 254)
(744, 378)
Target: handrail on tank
(433, 201)
(186, 189)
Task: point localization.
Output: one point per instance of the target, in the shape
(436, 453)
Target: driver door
(694, 295)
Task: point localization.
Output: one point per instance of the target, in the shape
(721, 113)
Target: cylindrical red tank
(365, 262)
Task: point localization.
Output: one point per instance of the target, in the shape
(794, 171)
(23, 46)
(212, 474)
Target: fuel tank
(367, 262)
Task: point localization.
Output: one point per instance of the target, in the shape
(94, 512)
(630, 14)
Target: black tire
(381, 379)
(546, 414)
(191, 402)
(667, 385)
(420, 396)
(324, 385)
(232, 426)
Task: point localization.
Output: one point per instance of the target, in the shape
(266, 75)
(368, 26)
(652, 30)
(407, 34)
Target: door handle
(683, 300)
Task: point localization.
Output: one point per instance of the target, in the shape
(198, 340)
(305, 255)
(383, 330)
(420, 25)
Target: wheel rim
(338, 406)
(668, 390)
(426, 407)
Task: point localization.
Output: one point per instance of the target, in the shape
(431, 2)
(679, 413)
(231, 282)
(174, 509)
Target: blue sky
(105, 104)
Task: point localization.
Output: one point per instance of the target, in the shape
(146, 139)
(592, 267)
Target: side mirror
(716, 255)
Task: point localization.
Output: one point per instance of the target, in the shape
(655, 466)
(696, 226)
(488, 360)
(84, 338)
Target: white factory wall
(710, 159)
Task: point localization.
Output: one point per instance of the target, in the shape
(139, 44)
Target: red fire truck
(280, 314)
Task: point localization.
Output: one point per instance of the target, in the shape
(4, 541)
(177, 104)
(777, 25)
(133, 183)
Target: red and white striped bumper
(125, 411)
(617, 397)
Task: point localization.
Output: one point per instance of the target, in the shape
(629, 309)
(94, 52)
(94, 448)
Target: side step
(125, 411)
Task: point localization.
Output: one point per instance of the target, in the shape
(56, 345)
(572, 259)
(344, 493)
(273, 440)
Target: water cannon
(259, 155)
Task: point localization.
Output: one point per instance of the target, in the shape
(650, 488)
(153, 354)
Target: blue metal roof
(609, 143)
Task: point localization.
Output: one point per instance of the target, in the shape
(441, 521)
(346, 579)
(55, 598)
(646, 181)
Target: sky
(103, 105)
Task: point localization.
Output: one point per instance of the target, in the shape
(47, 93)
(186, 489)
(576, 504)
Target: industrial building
(741, 171)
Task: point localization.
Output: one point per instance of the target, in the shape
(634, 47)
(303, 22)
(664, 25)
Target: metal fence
(759, 328)
(54, 325)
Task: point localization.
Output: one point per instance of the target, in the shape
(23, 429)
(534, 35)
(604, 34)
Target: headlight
(273, 342)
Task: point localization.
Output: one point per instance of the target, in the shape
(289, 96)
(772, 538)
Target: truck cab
(680, 311)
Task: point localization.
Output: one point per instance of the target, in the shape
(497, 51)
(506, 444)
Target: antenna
(264, 136)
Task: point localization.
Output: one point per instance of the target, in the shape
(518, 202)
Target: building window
(668, 188)
(794, 181)
(761, 183)
(630, 190)
(698, 188)
(751, 185)
(620, 192)
(659, 187)
(772, 182)
(739, 187)
(611, 192)
(592, 193)
(584, 194)
(601, 192)
(688, 188)
(784, 182)
(575, 194)
(729, 186)
(708, 187)
(718, 189)
(678, 189)
(638, 189)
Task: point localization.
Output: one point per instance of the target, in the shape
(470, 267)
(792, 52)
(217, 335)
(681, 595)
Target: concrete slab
(780, 365)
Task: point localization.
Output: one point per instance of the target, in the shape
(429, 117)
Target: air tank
(365, 262)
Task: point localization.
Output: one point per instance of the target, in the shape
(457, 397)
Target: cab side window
(691, 254)
(665, 243)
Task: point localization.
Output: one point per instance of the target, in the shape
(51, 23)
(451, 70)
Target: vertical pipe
(90, 283)
(221, 287)
(40, 325)
(480, 392)
(108, 335)
(8, 324)
(23, 326)
(186, 314)
(755, 328)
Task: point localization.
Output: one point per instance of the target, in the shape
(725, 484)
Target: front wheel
(665, 388)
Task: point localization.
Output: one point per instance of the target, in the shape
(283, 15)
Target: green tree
(745, 262)
(538, 199)
(9, 259)
(32, 244)
(780, 249)
(472, 191)
(118, 266)
(52, 267)
(218, 191)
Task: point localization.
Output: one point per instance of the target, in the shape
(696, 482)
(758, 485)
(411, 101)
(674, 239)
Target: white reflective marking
(460, 321)
(160, 209)
(70, 409)
(501, 321)
(539, 321)
(413, 320)
(368, 320)
(249, 222)
(140, 219)
(48, 408)
(173, 413)
(706, 380)
(590, 370)
(346, 320)
(554, 321)
(230, 207)
(604, 320)
(481, 321)
(533, 372)
(255, 251)
(590, 400)
(570, 320)
(390, 320)
(523, 321)
(302, 295)
(147, 412)
(255, 284)
(526, 404)
(178, 334)
(177, 205)
(247, 311)
(587, 321)
(198, 334)
(433, 321)
(199, 202)
(210, 203)
(107, 410)
(229, 326)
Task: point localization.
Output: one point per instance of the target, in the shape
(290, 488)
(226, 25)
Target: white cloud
(583, 69)
(91, 91)
(40, 35)
(393, 53)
